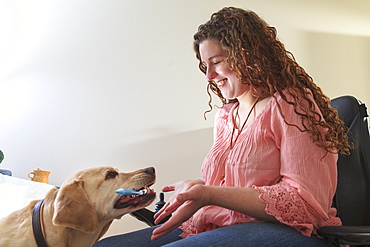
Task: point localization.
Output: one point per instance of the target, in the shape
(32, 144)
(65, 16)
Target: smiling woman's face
(214, 59)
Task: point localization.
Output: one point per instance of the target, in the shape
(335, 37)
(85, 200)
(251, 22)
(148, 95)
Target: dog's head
(88, 197)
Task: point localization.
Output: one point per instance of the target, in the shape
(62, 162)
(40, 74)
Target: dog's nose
(150, 170)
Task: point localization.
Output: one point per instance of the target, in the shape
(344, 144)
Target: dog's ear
(73, 209)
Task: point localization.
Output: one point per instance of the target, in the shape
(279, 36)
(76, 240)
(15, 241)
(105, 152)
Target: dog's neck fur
(62, 232)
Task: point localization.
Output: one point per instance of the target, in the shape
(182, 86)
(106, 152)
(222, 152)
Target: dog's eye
(111, 175)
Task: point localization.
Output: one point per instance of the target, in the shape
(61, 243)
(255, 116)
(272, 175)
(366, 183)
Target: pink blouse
(296, 179)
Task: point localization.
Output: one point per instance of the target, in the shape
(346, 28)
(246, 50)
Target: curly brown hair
(258, 58)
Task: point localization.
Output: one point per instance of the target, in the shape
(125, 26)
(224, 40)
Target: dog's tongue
(125, 199)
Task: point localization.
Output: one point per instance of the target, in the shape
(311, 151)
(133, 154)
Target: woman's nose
(210, 74)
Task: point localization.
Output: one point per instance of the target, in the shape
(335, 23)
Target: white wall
(115, 82)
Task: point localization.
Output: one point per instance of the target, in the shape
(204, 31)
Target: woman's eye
(111, 175)
(215, 63)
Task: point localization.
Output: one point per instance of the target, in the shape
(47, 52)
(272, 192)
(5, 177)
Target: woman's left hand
(185, 204)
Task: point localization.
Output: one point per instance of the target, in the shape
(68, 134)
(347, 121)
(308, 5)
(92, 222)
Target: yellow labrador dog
(81, 211)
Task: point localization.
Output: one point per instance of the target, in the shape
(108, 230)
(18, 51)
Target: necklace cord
(241, 129)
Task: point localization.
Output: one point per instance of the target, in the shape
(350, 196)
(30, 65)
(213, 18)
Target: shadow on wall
(175, 157)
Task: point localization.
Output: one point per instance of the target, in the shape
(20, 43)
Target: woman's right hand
(179, 187)
(189, 197)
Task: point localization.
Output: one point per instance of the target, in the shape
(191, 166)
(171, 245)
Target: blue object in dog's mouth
(127, 192)
(134, 198)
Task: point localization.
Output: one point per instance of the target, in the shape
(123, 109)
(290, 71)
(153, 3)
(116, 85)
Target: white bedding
(16, 193)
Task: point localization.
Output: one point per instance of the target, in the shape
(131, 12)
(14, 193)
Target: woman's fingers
(188, 198)
(168, 209)
(160, 216)
(168, 188)
(174, 222)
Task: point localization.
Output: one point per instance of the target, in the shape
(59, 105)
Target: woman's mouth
(221, 83)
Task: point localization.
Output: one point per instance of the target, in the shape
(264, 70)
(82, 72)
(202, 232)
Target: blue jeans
(245, 234)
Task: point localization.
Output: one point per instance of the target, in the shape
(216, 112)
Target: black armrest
(346, 235)
(144, 215)
(147, 216)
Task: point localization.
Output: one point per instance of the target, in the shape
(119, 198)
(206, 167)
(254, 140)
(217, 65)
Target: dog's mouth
(136, 200)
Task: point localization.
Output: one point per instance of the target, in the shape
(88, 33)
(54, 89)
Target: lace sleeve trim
(288, 207)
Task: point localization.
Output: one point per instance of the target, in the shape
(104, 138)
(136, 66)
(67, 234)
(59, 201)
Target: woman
(270, 176)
